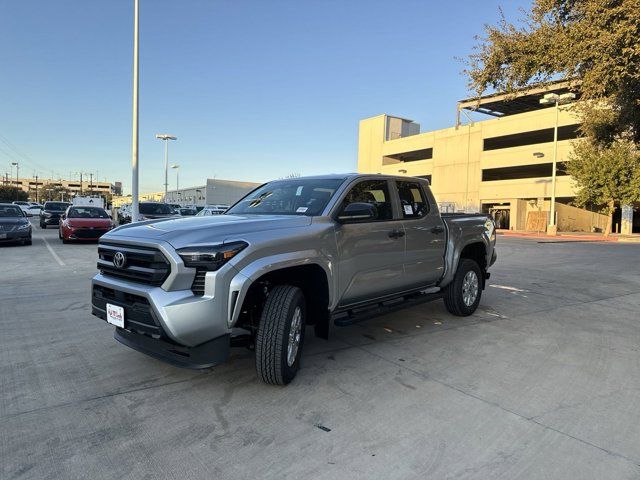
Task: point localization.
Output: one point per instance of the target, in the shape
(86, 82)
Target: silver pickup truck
(311, 251)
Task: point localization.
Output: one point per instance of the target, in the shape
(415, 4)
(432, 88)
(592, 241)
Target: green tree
(54, 193)
(592, 43)
(10, 194)
(607, 175)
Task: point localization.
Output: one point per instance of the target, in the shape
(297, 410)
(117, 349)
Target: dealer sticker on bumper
(115, 315)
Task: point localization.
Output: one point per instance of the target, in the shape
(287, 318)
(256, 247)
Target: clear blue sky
(254, 90)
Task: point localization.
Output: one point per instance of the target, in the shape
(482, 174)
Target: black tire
(43, 226)
(65, 241)
(454, 294)
(272, 340)
(28, 241)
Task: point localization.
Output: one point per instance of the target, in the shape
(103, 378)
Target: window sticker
(302, 209)
(299, 191)
(408, 210)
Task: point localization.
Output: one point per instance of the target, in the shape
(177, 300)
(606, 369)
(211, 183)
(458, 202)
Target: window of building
(413, 156)
(413, 203)
(77, 185)
(539, 170)
(567, 132)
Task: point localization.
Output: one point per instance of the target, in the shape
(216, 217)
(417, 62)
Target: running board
(365, 312)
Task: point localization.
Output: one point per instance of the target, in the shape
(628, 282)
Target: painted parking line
(53, 253)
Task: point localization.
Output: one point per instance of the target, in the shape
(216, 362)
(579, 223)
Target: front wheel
(280, 335)
(462, 295)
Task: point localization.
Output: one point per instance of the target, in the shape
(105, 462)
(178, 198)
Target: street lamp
(134, 144)
(166, 138)
(175, 166)
(557, 100)
(17, 165)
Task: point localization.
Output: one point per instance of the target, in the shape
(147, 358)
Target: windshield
(10, 211)
(56, 206)
(87, 212)
(302, 196)
(155, 209)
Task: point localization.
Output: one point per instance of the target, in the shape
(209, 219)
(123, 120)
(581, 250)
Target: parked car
(187, 212)
(84, 223)
(176, 207)
(213, 210)
(22, 205)
(33, 210)
(124, 214)
(50, 214)
(294, 252)
(14, 225)
(155, 210)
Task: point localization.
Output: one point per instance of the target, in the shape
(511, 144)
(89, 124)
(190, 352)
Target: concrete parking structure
(540, 383)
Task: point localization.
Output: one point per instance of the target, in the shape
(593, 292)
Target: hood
(183, 231)
(88, 222)
(13, 220)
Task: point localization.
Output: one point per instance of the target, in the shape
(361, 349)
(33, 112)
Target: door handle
(437, 229)
(395, 233)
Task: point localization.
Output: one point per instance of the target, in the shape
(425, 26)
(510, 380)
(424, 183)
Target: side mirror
(63, 216)
(357, 212)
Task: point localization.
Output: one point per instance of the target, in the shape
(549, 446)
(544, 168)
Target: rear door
(425, 234)
(370, 253)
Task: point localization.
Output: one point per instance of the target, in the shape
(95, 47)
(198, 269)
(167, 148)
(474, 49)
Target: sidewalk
(571, 236)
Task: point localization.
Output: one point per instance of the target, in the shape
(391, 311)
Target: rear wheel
(43, 226)
(463, 294)
(280, 335)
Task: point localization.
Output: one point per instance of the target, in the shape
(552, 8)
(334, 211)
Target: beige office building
(502, 165)
(76, 187)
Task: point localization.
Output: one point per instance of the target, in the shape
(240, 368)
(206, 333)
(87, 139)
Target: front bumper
(53, 220)
(178, 316)
(207, 355)
(15, 236)
(86, 234)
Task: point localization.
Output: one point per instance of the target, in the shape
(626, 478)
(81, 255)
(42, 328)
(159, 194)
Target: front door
(370, 253)
(425, 236)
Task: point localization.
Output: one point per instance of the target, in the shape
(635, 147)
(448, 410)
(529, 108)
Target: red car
(84, 223)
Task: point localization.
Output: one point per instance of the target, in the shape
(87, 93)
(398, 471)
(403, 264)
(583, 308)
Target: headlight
(210, 257)
(24, 226)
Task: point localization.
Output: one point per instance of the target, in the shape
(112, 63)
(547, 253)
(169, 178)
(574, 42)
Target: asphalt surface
(542, 382)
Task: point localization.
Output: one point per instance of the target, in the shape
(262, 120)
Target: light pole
(166, 138)
(557, 100)
(175, 166)
(17, 165)
(134, 146)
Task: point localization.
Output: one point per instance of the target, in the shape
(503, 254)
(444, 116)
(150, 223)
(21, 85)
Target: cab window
(375, 192)
(413, 203)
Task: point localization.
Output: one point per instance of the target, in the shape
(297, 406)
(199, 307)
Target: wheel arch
(311, 276)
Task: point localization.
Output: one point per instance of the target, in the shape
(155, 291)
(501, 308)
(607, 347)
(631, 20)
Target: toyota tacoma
(311, 251)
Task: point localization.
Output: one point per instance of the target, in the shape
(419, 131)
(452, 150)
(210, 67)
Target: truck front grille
(141, 264)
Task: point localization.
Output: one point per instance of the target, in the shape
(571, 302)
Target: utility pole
(134, 146)
(80, 183)
(91, 184)
(37, 188)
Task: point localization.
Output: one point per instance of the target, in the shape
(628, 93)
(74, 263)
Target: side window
(375, 192)
(412, 200)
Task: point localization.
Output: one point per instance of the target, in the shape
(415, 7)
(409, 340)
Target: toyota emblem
(119, 260)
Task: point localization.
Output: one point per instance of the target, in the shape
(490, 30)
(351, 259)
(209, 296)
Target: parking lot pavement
(542, 382)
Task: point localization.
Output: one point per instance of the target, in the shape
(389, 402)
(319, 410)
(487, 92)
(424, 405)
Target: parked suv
(306, 251)
(51, 212)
